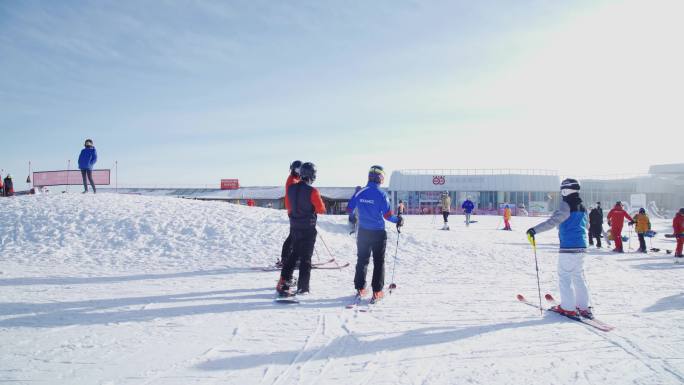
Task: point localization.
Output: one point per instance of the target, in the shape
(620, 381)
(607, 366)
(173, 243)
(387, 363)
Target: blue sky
(189, 92)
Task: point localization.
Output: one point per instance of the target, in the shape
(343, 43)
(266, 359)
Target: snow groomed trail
(117, 289)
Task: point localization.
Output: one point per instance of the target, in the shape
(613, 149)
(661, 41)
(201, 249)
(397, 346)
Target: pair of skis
(287, 299)
(593, 322)
(360, 304)
(326, 265)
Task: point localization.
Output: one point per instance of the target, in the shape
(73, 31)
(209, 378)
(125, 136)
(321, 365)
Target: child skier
(642, 225)
(678, 231)
(571, 219)
(304, 204)
(86, 161)
(507, 218)
(616, 219)
(595, 225)
(293, 178)
(467, 207)
(401, 208)
(445, 201)
(374, 208)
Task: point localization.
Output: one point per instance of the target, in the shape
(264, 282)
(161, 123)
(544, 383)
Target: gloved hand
(531, 232)
(352, 219)
(631, 223)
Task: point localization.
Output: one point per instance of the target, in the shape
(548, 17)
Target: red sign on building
(230, 184)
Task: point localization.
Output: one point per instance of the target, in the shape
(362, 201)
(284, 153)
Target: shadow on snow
(673, 302)
(354, 345)
(29, 281)
(141, 309)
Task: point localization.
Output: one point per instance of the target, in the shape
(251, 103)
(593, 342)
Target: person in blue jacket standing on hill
(86, 161)
(571, 220)
(468, 207)
(373, 209)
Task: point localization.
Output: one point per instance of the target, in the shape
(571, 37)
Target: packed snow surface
(117, 289)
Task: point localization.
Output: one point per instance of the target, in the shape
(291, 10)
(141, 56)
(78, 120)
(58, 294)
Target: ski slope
(117, 290)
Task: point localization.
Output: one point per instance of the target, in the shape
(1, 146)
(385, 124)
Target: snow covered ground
(116, 289)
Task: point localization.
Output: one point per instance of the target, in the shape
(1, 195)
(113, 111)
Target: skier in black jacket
(596, 225)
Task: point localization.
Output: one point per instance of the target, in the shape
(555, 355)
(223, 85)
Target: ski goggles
(376, 170)
(376, 173)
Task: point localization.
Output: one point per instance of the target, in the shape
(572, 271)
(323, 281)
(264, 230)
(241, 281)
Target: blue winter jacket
(468, 206)
(571, 220)
(87, 159)
(373, 207)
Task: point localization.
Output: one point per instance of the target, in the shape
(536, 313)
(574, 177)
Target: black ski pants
(287, 248)
(445, 214)
(303, 241)
(595, 232)
(89, 174)
(375, 242)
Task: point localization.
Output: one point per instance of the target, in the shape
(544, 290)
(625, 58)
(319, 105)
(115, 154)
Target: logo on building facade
(438, 180)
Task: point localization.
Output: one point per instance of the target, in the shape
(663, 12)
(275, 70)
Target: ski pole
(629, 244)
(393, 285)
(318, 258)
(327, 248)
(531, 239)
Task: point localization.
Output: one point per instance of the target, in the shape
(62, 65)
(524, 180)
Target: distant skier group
(6, 186)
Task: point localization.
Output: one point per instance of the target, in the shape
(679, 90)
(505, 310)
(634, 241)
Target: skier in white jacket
(571, 220)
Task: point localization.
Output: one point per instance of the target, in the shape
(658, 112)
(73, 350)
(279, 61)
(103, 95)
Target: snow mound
(132, 231)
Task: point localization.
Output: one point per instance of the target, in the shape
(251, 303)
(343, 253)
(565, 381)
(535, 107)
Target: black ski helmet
(571, 184)
(88, 142)
(294, 167)
(308, 172)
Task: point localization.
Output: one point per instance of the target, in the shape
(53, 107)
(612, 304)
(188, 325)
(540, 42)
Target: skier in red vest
(293, 178)
(304, 205)
(616, 219)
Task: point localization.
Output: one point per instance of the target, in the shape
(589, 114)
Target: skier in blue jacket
(468, 207)
(86, 161)
(373, 209)
(571, 220)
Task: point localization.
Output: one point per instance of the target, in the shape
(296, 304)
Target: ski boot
(283, 287)
(377, 296)
(568, 313)
(586, 313)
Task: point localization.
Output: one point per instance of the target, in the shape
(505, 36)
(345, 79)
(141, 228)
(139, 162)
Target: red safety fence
(68, 177)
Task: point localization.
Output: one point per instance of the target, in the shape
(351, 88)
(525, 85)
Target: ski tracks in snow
(299, 371)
